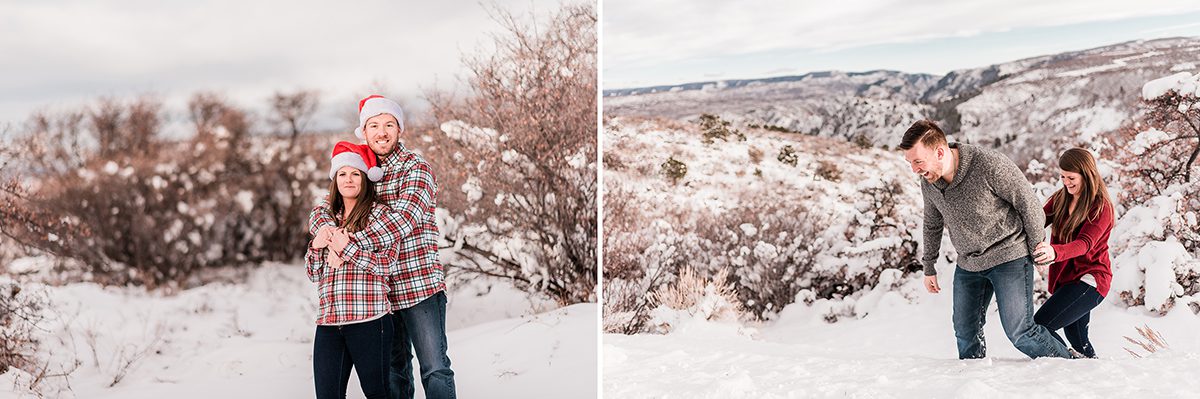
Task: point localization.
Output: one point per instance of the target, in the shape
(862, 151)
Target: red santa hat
(357, 156)
(375, 105)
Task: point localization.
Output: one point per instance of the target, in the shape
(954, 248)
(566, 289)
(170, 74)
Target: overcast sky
(56, 54)
(677, 41)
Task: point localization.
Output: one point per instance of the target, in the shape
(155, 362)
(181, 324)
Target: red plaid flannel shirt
(409, 188)
(358, 290)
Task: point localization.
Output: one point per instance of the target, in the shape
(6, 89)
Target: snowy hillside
(817, 103)
(1069, 98)
(786, 214)
(1023, 105)
(252, 337)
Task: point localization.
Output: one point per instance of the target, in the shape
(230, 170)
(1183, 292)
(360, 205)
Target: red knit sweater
(1086, 254)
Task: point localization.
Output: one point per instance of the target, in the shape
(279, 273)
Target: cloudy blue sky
(58, 54)
(656, 42)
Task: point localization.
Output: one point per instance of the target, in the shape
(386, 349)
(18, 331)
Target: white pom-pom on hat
(357, 156)
(377, 105)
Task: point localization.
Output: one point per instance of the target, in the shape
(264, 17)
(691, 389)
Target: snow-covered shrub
(882, 233)
(621, 248)
(1156, 242)
(1161, 148)
(673, 169)
(779, 230)
(161, 209)
(862, 141)
(829, 171)
(772, 248)
(694, 296)
(20, 312)
(625, 307)
(639, 258)
(713, 128)
(1152, 267)
(612, 161)
(525, 194)
(787, 155)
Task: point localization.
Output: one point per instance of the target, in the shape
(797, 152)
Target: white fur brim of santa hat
(377, 105)
(357, 156)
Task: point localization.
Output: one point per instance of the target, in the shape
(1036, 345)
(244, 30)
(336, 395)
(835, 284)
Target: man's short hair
(924, 131)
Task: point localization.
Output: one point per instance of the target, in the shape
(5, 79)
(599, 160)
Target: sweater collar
(966, 156)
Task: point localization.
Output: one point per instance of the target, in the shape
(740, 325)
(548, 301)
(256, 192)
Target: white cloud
(639, 33)
(66, 52)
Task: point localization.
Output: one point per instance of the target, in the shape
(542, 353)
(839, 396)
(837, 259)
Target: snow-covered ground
(900, 349)
(253, 339)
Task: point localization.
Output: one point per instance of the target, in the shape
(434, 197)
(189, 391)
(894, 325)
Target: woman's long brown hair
(1093, 195)
(362, 208)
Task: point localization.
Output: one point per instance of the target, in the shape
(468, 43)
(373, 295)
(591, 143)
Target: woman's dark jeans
(1069, 309)
(365, 346)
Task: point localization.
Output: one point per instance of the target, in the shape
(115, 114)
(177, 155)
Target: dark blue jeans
(364, 346)
(1012, 283)
(1069, 309)
(424, 326)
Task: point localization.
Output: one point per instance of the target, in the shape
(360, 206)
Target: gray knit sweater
(989, 208)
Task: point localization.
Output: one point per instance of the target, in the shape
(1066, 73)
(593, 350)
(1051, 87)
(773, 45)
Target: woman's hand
(333, 260)
(338, 239)
(322, 238)
(1043, 254)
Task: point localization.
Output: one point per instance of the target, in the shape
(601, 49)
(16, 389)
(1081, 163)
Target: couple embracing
(374, 257)
(997, 226)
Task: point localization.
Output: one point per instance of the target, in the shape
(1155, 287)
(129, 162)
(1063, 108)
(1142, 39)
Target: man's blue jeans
(364, 346)
(422, 329)
(1012, 283)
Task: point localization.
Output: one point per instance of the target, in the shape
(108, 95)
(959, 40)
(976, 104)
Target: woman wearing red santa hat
(351, 264)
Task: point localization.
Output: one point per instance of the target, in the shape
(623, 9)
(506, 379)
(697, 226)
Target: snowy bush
(787, 155)
(829, 171)
(526, 138)
(135, 207)
(640, 257)
(785, 234)
(713, 128)
(773, 250)
(694, 296)
(1156, 241)
(862, 141)
(673, 170)
(1153, 267)
(1161, 148)
(612, 161)
(20, 313)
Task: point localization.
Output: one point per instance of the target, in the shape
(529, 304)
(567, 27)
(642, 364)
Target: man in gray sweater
(995, 223)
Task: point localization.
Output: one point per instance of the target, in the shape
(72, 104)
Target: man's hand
(338, 240)
(931, 284)
(322, 238)
(1043, 254)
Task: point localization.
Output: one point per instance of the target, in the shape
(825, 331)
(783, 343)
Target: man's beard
(385, 151)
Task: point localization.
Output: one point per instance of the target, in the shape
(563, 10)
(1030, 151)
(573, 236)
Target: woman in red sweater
(1081, 216)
